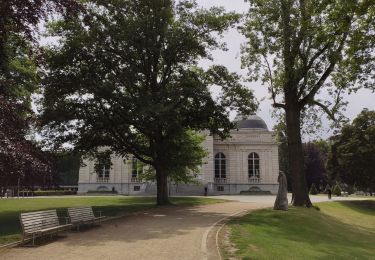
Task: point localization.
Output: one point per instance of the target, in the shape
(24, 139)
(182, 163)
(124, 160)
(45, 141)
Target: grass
(10, 228)
(339, 230)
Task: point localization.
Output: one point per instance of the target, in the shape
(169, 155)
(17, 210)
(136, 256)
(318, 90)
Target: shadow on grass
(362, 206)
(301, 232)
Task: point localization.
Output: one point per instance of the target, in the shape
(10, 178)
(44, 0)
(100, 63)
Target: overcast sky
(231, 59)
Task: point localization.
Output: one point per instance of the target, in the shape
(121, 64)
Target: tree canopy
(19, 79)
(353, 162)
(125, 76)
(301, 48)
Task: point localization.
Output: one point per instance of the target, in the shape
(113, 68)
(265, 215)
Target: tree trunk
(296, 158)
(162, 187)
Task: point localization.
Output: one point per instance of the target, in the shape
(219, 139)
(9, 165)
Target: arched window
(253, 162)
(102, 171)
(220, 167)
(103, 167)
(136, 169)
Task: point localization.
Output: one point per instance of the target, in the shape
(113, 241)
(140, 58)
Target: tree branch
(325, 109)
(129, 146)
(273, 93)
(278, 105)
(327, 72)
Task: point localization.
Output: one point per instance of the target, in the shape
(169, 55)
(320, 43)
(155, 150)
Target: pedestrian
(329, 193)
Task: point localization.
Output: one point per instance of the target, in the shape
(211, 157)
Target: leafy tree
(337, 190)
(301, 48)
(18, 80)
(315, 161)
(126, 77)
(19, 158)
(18, 20)
(315, 155)
(353, 161)
(66, 166)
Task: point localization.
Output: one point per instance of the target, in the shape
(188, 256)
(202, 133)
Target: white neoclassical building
(245, 162)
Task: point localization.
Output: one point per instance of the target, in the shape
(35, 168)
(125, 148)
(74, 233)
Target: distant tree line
(346, 158)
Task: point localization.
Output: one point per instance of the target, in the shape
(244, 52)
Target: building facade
(245, 162)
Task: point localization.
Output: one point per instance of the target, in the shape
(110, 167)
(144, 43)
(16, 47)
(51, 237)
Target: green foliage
(47, 193)
(189, 148)
(328, 187)
(309, 36)
(102, 159)
(313, 189)
(20, 78)
(299, 49)
(315, 161)
(352, 154)
(337, 190)
(67, 168)
(130, 81)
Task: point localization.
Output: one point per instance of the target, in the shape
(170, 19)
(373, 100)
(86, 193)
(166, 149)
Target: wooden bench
(83, 215)
(37, 223)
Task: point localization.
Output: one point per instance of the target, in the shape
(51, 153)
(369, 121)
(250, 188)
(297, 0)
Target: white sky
(231, 59)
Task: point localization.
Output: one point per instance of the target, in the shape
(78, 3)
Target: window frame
(253, 165)
(220, 166)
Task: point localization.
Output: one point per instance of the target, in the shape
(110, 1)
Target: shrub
(103, 191)
(327, 188)
(47, 193)
(313, 189)
(337, 190)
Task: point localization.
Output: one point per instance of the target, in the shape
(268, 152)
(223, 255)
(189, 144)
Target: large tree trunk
(162, 187)
(296, 159)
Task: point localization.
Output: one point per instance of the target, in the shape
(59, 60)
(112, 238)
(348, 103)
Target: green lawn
(340, 230)
(10, 229)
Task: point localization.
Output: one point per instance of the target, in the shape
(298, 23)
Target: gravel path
(162, 233)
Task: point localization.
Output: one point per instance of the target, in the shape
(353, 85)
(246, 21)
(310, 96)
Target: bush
(313, 189)
(103, 191)
(326, 189)
(337, 190)
(48, 193)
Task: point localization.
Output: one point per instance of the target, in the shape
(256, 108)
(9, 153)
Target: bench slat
(81, 215)
(38, 213)
(40, 221)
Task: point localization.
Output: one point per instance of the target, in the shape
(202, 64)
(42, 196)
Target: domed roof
(250, 122)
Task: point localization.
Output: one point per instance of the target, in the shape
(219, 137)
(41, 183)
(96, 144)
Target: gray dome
(250, 122)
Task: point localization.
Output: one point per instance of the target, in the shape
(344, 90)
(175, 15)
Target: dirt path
(163, 233)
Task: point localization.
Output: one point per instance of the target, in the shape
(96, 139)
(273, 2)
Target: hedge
(48, 192)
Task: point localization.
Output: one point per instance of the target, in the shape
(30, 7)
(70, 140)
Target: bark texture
(296, 159)
(162, 197)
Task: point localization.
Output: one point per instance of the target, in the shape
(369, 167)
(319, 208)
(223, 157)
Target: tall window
(253, 161)
(103, 172)
(103, 166)
(136, 169)
(220, 167)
